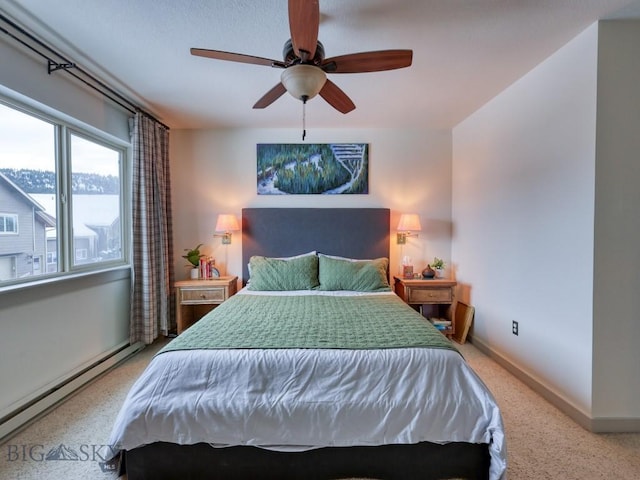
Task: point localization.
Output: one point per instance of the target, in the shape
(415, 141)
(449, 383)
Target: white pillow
(309, 254)
(336, 257)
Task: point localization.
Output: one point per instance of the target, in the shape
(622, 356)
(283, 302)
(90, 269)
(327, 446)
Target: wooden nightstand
(436, 293)
(195, 298)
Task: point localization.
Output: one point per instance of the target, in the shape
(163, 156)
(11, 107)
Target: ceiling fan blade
(235, 57)
(271, 96)
(368, 61)
(304, 22)
(336, 97)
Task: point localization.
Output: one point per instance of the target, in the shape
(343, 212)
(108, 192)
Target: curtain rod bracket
(53, 66)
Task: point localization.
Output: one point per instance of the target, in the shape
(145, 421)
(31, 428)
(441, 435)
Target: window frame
(64, 127)
(3, 217)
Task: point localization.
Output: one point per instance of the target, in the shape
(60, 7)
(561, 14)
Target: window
(95, 196)
(62, 186)
(8, 223)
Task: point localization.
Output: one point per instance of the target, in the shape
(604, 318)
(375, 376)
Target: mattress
(293, 399)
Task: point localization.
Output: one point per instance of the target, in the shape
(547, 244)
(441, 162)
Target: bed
(315, 369)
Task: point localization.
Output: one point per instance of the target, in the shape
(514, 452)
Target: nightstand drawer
(198, 295)
(426, 295)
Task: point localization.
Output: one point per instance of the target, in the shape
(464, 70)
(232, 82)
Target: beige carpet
(542, 442)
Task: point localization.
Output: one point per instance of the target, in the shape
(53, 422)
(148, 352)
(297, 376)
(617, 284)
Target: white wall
(523, 210)
(214, 171)
(616, 382)
(49, 331)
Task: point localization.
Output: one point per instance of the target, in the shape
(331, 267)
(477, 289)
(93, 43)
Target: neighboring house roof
(48, 220)
(41, 214)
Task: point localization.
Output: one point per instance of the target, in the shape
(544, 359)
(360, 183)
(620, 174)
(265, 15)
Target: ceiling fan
(305, 68)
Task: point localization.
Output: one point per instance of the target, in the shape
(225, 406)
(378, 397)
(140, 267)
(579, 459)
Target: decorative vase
(428, 272)
(439, 272)
(195, 273)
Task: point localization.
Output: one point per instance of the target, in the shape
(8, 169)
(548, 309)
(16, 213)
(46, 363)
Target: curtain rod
(70, 67)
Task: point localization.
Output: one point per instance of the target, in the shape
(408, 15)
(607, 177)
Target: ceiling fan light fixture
(303, 81)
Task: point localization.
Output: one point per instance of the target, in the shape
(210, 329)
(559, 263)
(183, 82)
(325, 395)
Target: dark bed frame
(349, 232)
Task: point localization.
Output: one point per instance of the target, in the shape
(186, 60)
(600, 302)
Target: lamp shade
(303, 81)
(409, 222)
(227, 223)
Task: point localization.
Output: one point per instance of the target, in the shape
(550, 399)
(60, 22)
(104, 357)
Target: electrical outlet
(514, 327)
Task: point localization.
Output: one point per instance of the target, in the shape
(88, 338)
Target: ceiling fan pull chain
(304, 117)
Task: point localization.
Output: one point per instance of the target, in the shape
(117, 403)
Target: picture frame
(315, 168)
(463, 319)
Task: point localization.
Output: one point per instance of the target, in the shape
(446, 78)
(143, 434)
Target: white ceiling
(465, 52)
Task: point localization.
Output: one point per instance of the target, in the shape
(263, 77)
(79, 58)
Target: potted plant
(193, 256)
(438, 265)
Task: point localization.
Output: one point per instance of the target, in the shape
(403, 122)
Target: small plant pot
(195, 273)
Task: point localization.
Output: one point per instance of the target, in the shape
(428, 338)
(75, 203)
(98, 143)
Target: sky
(29, 142)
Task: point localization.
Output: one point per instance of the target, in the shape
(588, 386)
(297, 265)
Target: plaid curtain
(152, 256)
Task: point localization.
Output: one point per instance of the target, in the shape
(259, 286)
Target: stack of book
(441, 323)
(208, 268)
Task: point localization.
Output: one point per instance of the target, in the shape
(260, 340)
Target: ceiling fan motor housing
(289, 55)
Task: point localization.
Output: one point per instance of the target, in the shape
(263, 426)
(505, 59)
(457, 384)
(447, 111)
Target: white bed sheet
(299, 399)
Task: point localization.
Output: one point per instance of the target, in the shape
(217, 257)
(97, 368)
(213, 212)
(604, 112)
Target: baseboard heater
(20, 416)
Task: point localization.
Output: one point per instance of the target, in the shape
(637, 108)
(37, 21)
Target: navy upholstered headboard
(281, 232)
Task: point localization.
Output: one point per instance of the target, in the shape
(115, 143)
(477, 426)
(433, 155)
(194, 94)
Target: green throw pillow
(278, 274)
(354, 275)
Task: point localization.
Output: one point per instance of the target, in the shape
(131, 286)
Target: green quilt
(311, 321)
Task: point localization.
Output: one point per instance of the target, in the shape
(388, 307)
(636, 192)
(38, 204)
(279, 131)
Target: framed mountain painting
(316, 168)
